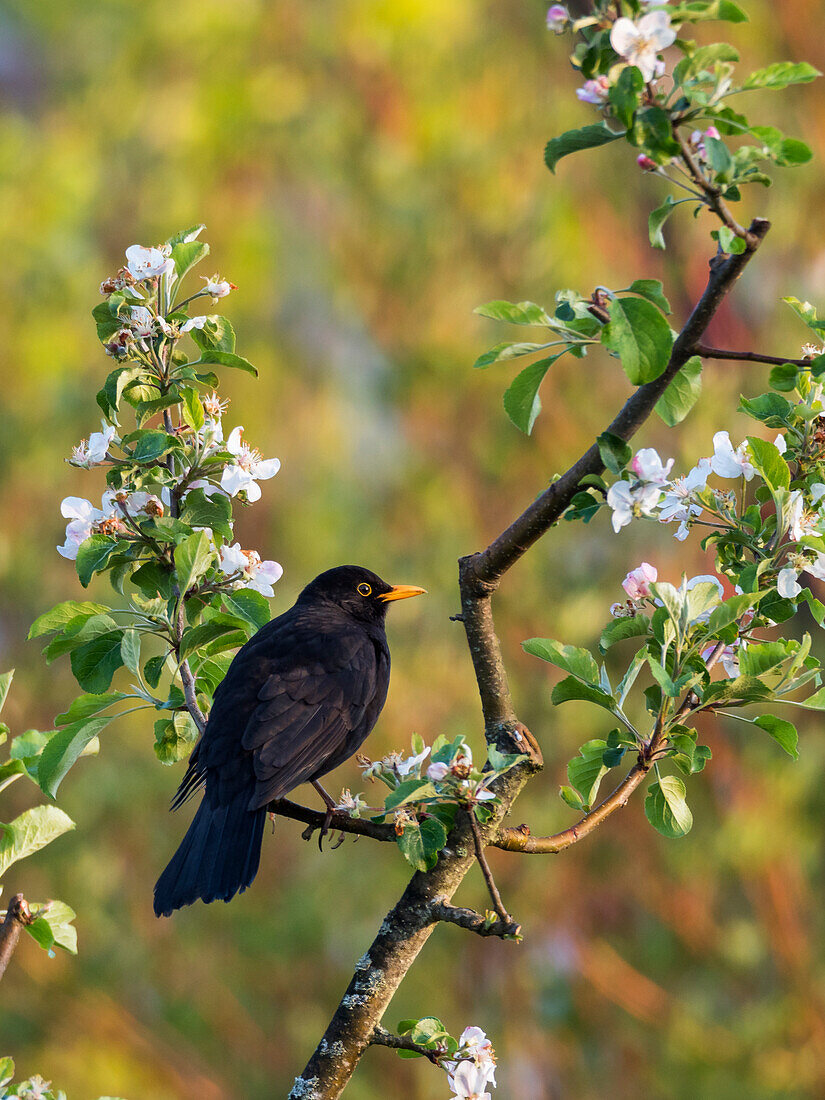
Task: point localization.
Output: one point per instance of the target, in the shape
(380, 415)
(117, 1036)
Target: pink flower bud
(712, 132)
(637, 582)
(645, 163)
(557, 18)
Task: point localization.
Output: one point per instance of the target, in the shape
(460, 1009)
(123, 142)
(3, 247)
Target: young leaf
(615, 453)
(521, 399)
(571, 688)
(769, 463)
(505, 351)
(652, 290)
(93, 555)
(188, 253)
(248, 605)
(585, 771)
(781, 74)
(571, 658)
(63, 613)
(95, 662)
(666, 808)
(516, 313)
(682, 393)
(630, 626)
(5, 684)
(31, 831)
(640, 336)
(411, 844)
(193, 556)
(64, 749)
(226, 359)
(657, 219)
(784, 733)
(588, 137)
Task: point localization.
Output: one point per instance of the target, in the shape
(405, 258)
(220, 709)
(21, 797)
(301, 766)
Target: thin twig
(383, 1038)
(339, 822)
(472, 921)
(748, 356)
(498, 904)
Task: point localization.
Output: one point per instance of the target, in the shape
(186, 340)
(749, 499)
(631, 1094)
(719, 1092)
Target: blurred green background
(369, 171)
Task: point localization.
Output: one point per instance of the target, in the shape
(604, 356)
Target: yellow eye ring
(364, 589)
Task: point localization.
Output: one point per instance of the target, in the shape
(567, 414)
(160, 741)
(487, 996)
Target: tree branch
(339, 822)
(478, 843)
(748, 356)
(472, 921)
(18, 915)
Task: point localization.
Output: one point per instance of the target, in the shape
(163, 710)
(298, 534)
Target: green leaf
(769, 463)
(515, 313)
(784, 733)
(640, 336)
(585, 771)
(95, 662)
(666, 808)
(5, 683)
(731, 611)
(411, 844)
(226, 359)
(652, 290)
(615, 453)
(214, 512)
(217, 334)
(54, 926)
(61, 614)
(768, 408)
(657, 219)
(410, 790)
(521, 399)
(130, 650)
(571, 688)
(64, 749)
(188, 253)
(588, 137)
(784, 377)
(682, 393)
(186, 235)
(93, 555)
(248, 605)
(781, 74)
(626, 93)
(434, 837)
(85, 706)
(6, 1070)
(150, 444)
(192, 408)
(630, 626)
(31, 831)
(571, 658)
(198, 636)
(193, 556)
(505, 351)
(174, 739)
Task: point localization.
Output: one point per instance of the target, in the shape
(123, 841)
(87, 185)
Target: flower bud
(646, 163)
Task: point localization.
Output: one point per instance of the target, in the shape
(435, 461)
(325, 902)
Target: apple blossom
(628, 500)
(217, 287)
(213, 407)
(142, 323)
(812, 351)
(147, 263)
(93, 452)
(678, 504)
(639, 43)
(780, 443)
(649, 467)
(729, 657)
(351, 804)
(637, 582)
(557, 18)
(727, 462)
(193, 322)
(257, 575)
(82, 514)
(403, 767)
(249, 468)
(786, 583)
(594, 91)
(438, 771)
(477, 1054)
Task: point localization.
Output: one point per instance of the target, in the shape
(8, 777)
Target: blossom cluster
(473, 1067)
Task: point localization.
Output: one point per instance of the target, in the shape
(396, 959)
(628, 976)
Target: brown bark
(18, 915)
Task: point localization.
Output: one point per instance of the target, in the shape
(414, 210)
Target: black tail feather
(218, 857)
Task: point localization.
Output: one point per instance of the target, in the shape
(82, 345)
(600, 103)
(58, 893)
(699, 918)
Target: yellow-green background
(370, 170)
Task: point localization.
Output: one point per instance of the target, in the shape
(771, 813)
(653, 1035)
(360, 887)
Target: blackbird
(298, 699)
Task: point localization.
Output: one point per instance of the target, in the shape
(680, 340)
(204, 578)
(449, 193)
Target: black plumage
(298, 699)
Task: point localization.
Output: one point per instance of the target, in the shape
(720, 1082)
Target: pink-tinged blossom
(82, 515)
(438, 771)
(649, 467)
(728, 658)
(93, 452)
(646, 163)
(639, 43)
(594, 91)
(248, 468)
(557, 18)
(469, 1082)
(631, 500)
(638, 581)
(727, 462)
(141, 322)
(256, 574)
(678, 505)
(217, 287)
(478, 1056)
(147, 263)
(475, 790)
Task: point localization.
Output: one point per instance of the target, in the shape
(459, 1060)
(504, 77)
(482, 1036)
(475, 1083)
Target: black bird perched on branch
(298, 699)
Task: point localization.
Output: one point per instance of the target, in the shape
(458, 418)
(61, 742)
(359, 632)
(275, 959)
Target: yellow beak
(402, 592)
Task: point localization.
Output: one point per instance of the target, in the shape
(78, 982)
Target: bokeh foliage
(369, 172)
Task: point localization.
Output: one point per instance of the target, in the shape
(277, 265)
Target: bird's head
(358, 591)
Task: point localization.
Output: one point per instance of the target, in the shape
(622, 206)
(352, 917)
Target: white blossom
(628, 500)
(82, 515)
(678, 504)
(780, 443)
(351, 804)
(147, 263)
(786, 583)
(411, 763)
(217, 287)
(249, 468)
(649, 467)
(193, 322)
(639, 43)
(438, 771)
(727, 462)
(637, 582)
(93, 452)
(256, 574)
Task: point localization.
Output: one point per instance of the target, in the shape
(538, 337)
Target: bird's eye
(364, 589)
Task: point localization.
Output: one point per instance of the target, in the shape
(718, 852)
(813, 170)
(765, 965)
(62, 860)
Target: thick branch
(339, 822)
(472, 921)
(18, 915)
(505, 551)
(383, 1038)
(748, 356)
